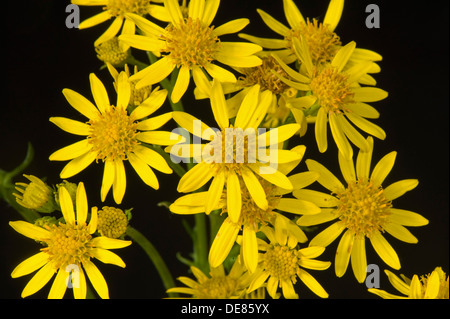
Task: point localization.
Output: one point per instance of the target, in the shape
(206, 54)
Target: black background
(43, 57)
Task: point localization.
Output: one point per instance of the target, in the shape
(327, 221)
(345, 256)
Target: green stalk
(154, 256)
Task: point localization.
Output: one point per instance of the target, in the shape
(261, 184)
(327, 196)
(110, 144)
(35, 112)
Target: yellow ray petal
(265, 42)
(99, 93)
(107, 257)
(81, 204)
(293, 15)
(347, 168)
(232, 26)
(334, 13)
(397, 189)
(312, 284)
(120, 181)
(343, 252)
(223, 242)
(358, 258)
(111, 32)
(59, 285)
(363, 161)
(109, 173)
(383, 168)
(366, 125)
(324, 216)
(147, 27)
(328, 235)
(144, 171)
(154, 73)
(339, 137)
(234, 199)
(159, 137)
(66, 204)
(150, 105)
(326, 179)
(298, 206)
(71, 151)
(384, 250)
(210, 11)
(195, 178)
(316, 197)
(39, 280)
(407, 218)
(215, 191)
(250, 249)
(77, 165)
(254, 187)
(154, 123)
(320, 129)
(220, 73)
(71, 126)
(153, 159)
(30, 264)
(97, 279)
(272, 23)
(81, 104)
(109, 243)
(95, 20)
(173, 7)
(182, 83)
(400, 232)
(218, 105)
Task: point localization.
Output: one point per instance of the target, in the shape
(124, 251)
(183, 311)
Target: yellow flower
(431, 286)
(320, 37)
(218, 285)
(282, 262)
(36, 195)
(251, 217)
(69, 248)
(112, 51)
(190, 44)
(114, 136)
(117, 9)
(238, 150)
(112, 222)
(363, 209)
(334, 89)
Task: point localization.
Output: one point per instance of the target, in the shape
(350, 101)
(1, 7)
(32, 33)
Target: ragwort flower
(114, 136)
(69, 250)
(431, 286)
(191, 45)
(363, 209)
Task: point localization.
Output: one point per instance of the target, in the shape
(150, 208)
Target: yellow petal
(223, 242)
(196, 8)
(239, 49)
(97, 279)
(397, 283)
(347, 168)
(320, 129)
(95, 20)
(144, 171)
(192, 125)
(272, 23)
(363, 161)
(39, 280)
(293, 15)
(218, 105)
(59, 285)
(326, 179)
(107, 257)
(210, 11)
(71, 126)
(152, 158)
(399, 188)
(383, 168)
(232, 26)
(215, 191)
(111, 32)
(147, 27)
(297, 206)
(120, 181)
(108, 178)
(159, 137)
(433, 286)
(195, 178)
(324, 216)
(154, 73)
(154, 123)
(30, 264)
(234, 200)
(81, 204)
(366, 125)
(150, 105)
(66, 204)
(342, 56)
(400, 232)
(369, 94)
(358, 258)
(328, 235)
(265, 42)
(312, 284)
(181, 85)
(250, 248)
(173, 7)
(343, 252)
(316, 197)
(109, 243)
(384, 250)
(77, 165)
(220, 73)
(81, 104)
(334, 13)
(254, 187)
(99, 93)
(238, 61)
(339, 137)
(72, 151)
(407, 218)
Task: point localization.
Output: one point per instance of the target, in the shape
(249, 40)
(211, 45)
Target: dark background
(43, 57)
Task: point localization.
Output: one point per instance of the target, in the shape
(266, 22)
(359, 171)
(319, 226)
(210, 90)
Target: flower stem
(154, 256)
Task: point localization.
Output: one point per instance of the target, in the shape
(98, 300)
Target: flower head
(336, 96)
(363, 209)
(218, 285)
(114, 135)
(36, 195)
(112, 222)
(112, 51)
(282, 262)
(117, 10)
(430, 286)
(190, 44)
(69, 248)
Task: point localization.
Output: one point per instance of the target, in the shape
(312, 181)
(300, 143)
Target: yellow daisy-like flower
(112, 51)
(114, 136)
(251, 217)
(431, 286)
(69, 250)
(238, 150)
(320, 37)
(282, 262)
(335, 91)
(218, 285)
(191, 45)
(363, 210)
(117, 9)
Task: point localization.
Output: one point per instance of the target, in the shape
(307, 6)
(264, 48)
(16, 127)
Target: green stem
(154, 256)
(200, 243)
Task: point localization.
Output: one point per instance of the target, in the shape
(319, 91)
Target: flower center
(113, 134)
(363, 208)
(67, 244)
(263, 75)
(111, 51)
(112, 222)
(120, 7)
(232, 148)
(323, 43)
(190, 43)
(281, 262)
(217, 288)
(332, 89)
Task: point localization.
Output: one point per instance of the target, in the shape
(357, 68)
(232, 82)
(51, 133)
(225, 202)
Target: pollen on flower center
(263, 76)
(190, 43)
(363, 208)
(112, 52)
(332, 89)
(113, 134)
(323, 43)
(217, 288)
(281, 262)
(68, 244)
(120, 7)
